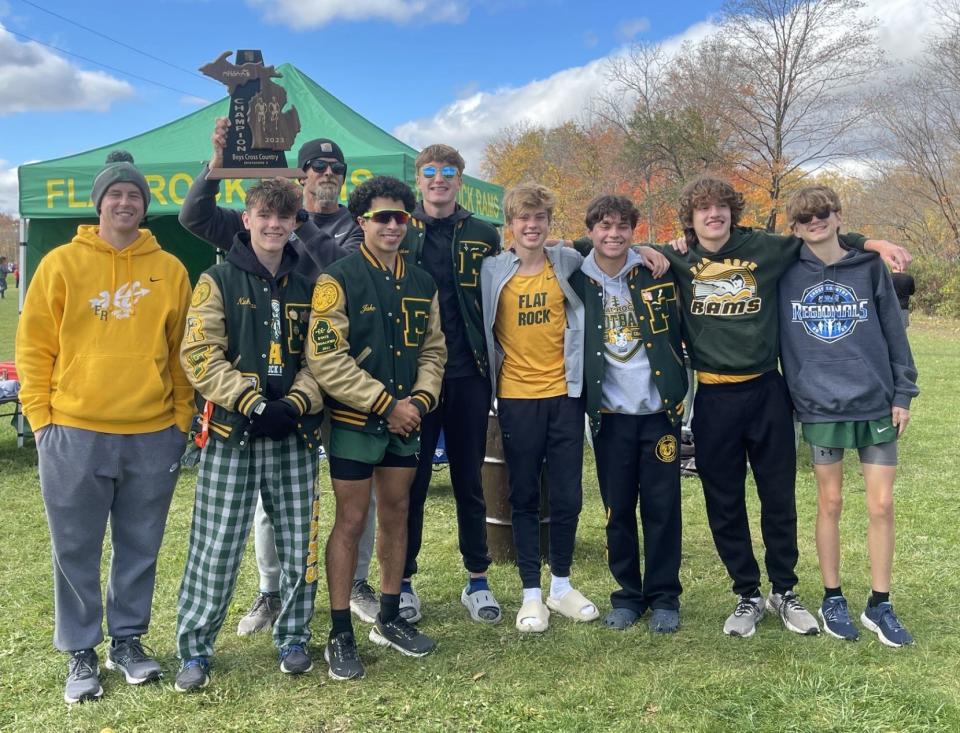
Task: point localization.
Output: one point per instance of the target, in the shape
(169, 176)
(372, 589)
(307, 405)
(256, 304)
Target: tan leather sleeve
(203, 350)
(328, 353)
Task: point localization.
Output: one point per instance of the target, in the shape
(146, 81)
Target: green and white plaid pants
(283, 472)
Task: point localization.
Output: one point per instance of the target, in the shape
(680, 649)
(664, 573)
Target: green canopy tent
(54, 194)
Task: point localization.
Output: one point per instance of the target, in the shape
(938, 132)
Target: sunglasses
(822, 214)
(320, 166)
(448, 171)
(383, 216)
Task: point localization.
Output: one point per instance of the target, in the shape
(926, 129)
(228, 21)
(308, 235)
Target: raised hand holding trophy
(259, 130)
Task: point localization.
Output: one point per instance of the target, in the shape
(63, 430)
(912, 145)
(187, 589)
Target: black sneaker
(402, 636)
(342, 656)
(194, 674)
(83, 680)
(295, 659)
(128, 656)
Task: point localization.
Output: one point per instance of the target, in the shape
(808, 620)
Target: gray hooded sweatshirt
(843, 345)
(628, 386)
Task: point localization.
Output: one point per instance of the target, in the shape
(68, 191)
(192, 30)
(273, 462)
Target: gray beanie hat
(119, 169)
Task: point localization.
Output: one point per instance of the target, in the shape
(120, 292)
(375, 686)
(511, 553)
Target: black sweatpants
(732, 422)
(462, 415)
(548, 429)
(638, 459)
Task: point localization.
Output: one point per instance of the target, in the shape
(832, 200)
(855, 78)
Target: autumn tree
(791, 72)
(667, 138)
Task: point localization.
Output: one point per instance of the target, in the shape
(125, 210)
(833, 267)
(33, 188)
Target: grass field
(574, 677)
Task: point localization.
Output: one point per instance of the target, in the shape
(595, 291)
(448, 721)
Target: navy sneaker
(884, 622)
(836, 619)
(194, 674)
(295, 659)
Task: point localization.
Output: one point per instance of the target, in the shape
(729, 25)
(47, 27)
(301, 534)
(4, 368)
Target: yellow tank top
(529, 326)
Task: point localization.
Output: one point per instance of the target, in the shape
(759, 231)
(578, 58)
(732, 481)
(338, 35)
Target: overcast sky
(456, 71)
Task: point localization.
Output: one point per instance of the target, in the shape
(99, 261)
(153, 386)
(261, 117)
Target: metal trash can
(496, 492)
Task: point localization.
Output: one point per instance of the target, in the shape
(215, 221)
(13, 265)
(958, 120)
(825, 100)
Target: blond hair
(528, 197)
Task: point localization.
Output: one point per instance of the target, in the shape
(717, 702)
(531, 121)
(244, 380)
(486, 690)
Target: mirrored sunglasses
(822, 214)
(320, 166)
(383, 216)
(448, 171)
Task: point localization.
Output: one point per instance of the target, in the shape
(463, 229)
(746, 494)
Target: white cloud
(33, 78)
(469, 123)
(904, 26)
(301, 15)
(9, 189)
(192, 101)
(628, 29)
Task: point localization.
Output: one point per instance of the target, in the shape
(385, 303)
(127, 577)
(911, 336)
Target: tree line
(783, 94)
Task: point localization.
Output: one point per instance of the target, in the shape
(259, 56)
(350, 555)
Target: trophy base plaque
(218, 174)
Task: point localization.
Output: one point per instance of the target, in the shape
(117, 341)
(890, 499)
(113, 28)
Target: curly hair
(811, 199)
(275, 194)
(604, 205)
(704, 191)
(528, 197)
(380, 187)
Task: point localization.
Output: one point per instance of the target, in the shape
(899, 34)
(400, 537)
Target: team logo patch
(201, 295)
(666, 449)
(325, 296)
(324, 336)
(829, 311)
(727, 288)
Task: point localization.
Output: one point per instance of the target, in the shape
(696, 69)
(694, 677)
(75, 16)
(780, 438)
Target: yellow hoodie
(98, 343)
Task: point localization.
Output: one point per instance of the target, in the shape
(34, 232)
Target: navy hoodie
(843, 345)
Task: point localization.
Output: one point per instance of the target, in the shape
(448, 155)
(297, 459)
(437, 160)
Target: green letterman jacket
(473, 240)
(375, 339)
(226, 343)
(655, 303)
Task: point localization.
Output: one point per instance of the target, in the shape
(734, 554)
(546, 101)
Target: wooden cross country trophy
(260, 130)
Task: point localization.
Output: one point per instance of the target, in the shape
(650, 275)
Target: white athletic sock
(532, 594)
(559, 587)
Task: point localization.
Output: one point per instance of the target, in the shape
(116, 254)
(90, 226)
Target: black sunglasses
(822, 214)
(320, 166)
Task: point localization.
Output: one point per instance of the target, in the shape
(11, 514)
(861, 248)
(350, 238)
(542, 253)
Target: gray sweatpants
(88, 477)
(265, 544)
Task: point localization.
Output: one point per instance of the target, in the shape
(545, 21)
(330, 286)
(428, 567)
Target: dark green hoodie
(729, 299)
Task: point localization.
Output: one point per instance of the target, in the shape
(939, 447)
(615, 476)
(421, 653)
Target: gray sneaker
(83, 681)
(409, 606)
(363, 601)
(795, 617)
(261, 615)
(745, 617)
(128, 656)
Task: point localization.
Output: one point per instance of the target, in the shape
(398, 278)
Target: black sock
(341, 621)
(876, 598)
(752, 594)
(831, 592)
(389, 607)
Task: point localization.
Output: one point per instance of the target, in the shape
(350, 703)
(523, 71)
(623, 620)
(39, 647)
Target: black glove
(276, 421)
